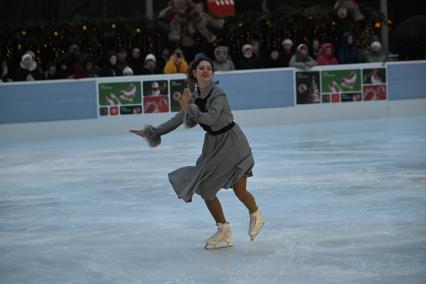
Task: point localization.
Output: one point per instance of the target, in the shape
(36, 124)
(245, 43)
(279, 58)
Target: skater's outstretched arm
(171, 124)
(153, 134)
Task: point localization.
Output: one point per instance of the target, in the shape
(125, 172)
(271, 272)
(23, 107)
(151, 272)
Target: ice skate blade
(219, 246)
(254, 236)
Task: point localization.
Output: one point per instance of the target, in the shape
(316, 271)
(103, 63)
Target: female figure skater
(226, 159)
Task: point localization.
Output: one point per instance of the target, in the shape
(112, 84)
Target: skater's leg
(256, 218)
(215, 209)
(244, 196)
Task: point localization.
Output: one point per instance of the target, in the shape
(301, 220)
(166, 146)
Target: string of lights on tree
(50, 42)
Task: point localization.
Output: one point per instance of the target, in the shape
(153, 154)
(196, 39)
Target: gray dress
(225, 158)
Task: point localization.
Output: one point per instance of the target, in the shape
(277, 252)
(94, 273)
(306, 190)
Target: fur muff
(152, 136)
(189, 123)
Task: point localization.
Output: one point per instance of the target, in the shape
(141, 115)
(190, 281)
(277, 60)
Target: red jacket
(323, 58)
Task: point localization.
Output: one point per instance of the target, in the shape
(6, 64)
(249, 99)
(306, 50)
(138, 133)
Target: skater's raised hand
(141, 133)
(186, 97)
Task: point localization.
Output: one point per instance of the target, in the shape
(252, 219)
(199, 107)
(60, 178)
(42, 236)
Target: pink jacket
(323, 58)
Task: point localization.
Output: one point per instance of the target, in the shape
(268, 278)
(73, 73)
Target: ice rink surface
(344, 202)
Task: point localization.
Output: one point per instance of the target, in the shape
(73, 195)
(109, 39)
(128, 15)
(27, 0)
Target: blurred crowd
(76, 64)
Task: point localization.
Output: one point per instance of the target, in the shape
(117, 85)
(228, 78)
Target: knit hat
(287, 41)
(302, 46)
(246, 46)
(376, 44)
(220, 48)
(127, 71)
(150, 56)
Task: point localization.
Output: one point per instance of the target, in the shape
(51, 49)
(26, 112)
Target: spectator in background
(111, 68)
(70, 63)
(301, 58)
(176, 63)
(248, 60)
(150, 66)
(375, 53)
(136, 61)
(314, 50)
(287, 52)
(255, 48)
(222, 62)
(348, 52)
(163, 58)
(4, 71)
(122, 60)
(274, 59)
(28, 69)
(91, 68)
(326, 57)
(52, 72)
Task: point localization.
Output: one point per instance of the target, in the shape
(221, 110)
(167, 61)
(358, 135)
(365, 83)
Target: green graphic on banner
(123, 93)
(176, 89)
(338, 81)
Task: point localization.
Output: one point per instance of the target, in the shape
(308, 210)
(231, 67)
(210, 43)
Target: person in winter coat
(91, 68)
(28, 69)
(287, 53)
(150, 66)
(314, 50)
(301, 59)
(176, 63)
(248, 60)
(5, 72)
(71, 66)
(348, 52)
(226, 159)
(111, 69)
(375, 53)
(222, 62)
(326, 55)
(136, 61)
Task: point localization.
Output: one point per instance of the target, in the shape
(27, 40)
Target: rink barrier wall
(64, 108)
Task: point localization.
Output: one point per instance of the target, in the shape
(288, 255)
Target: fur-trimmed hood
(33, 65)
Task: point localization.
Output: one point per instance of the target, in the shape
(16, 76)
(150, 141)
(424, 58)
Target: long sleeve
(183, 66)
(170, 67)
(171, 124)
(311, 62)
(214, 109)
(294, 63)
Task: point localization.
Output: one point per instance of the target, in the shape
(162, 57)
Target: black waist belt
(220, 131)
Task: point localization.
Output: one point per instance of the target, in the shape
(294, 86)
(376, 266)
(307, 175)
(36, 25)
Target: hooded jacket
(28, 73)
(323, 58)
(227, 64)
(349, 53)
(302, 61)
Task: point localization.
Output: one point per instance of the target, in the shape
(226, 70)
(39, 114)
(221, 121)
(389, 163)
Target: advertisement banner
(307, 87)
(156, 96)
(176, 89)
(119, 98)
(340, 86)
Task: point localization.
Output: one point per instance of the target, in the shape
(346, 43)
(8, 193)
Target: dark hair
(193, 66)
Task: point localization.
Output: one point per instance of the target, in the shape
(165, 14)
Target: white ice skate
(256, 223)
(222, 238)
